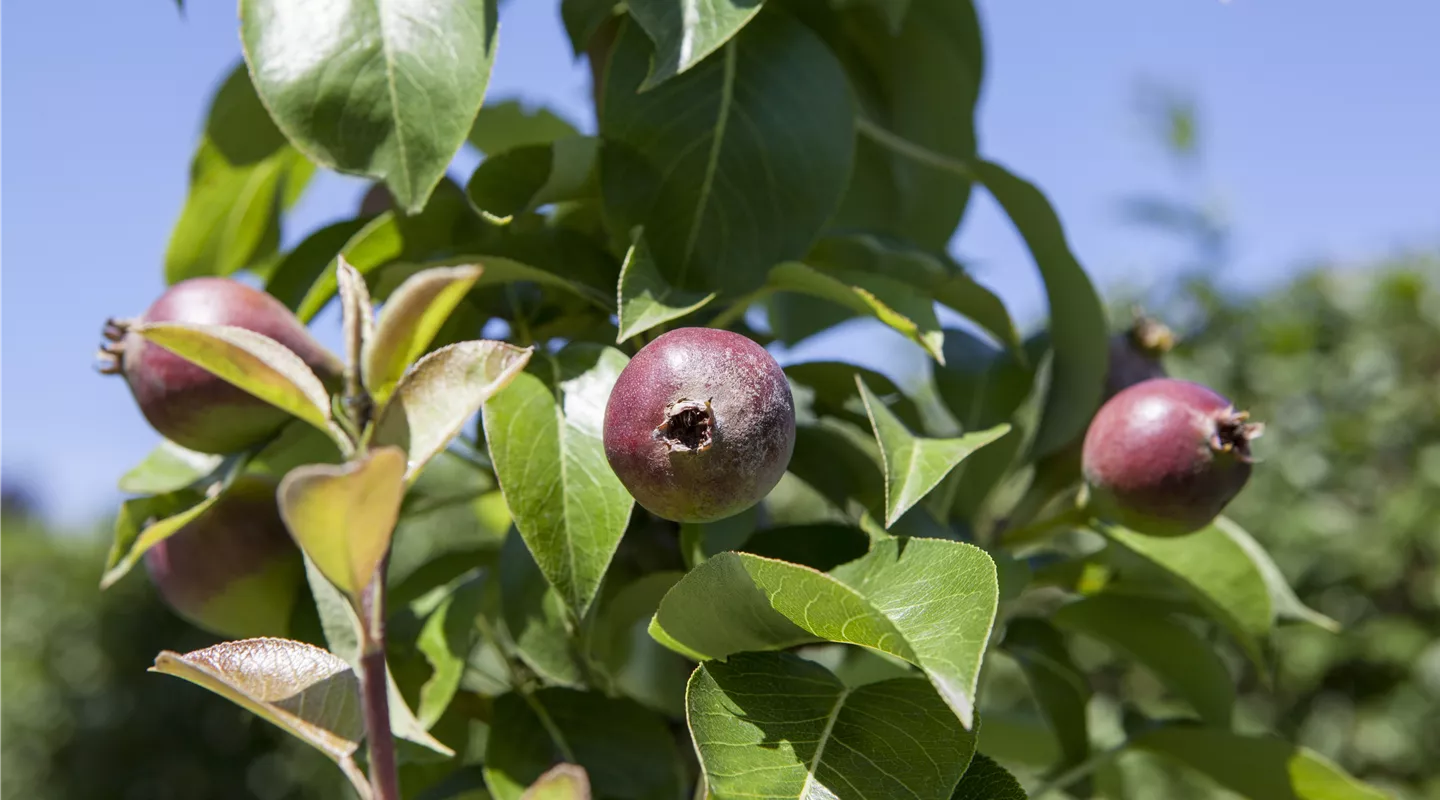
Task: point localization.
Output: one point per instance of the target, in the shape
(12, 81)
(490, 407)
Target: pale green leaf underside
(645, 298)
(776, 726)
(253, 362)
(686, 31)
(560, 782)
(133, 537)
(915, 465)
(546, 442)
(927, 601)
(385, 88)
(168, 468)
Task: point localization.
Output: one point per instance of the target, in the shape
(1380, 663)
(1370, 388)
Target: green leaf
(545, 438)
(921, 84)
(253, 362)
(1061, 690)
(584, 18)
(927, 601)
(640, 667)
(1217, 572)
(242, 175)
(775, 725)
(298, 270)
(385, 239)
(893, 302)
(838, 395)
(306, 691)
(500, 271)
(409, 321)
(560, 782)
(686, 31)
(986, 780)
(915, 465)
(936, 277)
(168, 468)
(1287, 605)
(1258, 767)
(536, 618)
(146, 521)
(444, 389)
(357, 316)
(821, 546)
(1180, 658)
(412, 82)
(1078, 331)
(508, 124)
(343, 516)
(628, 751)
(516, 181)
(734, 166)
(645, 299)
(446, 639)
(842, 463)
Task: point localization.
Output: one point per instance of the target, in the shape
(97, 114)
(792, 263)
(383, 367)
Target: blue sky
(1320, 120)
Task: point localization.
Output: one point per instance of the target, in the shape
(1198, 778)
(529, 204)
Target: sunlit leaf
(409, 321)
(414, 78)
(897, 304)
(168, 468)
(146, 521)
(253, 362)
(775, 725)
(1287, 605)
(545, 436)
(343, 516)
(304, 690)
(443, 390)
(986, 780)
(686, 31)
(927, 601)
(645, 298)
(915, 465)
(560, 782)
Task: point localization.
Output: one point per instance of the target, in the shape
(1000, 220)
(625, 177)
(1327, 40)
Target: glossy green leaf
(735, 165)
(298, 269)
(986, 780)
(444, 389)
(893, 302)
(915, 465)
(343, 516)
(1061, 690)
(1287, 605)
(536, 619)
(935, 276)
(1217, 572)
(1257, 767)
(448, 636)
(305, 691)
(628, 751)
(645, 299)
(500, 271)
(545, 438)
(413, 78)
(242, 175)
(1186, 663)
(686, 31)
(921, 84)
(146, 521)
(928, 601)
(508, 124)
(516, 181)
(168, 468)
(1078, 331)
(838, 395)
(775, 725)
(254, 362)
(560, 782)
(411, 317)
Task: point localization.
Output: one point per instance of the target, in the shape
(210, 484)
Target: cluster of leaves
(810, 159)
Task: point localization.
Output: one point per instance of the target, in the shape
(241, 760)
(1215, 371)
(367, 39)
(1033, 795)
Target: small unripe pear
(700, 425)
(233, 570)
(1165, 456)
(188, 405)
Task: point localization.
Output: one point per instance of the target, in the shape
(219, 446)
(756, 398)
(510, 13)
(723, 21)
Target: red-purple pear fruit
(188, 405)
(377, 200)
(700, 425)
(1164, 457)
(233, 570)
